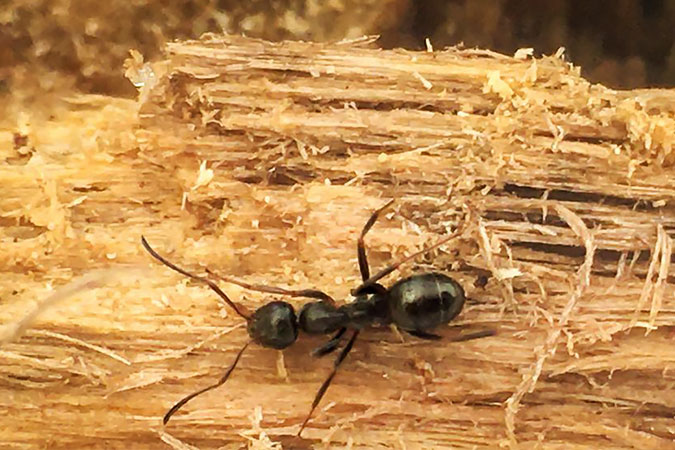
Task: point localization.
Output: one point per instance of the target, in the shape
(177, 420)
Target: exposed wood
(263, 161)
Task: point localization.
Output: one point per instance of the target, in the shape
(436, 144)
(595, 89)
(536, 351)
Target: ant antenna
(220, 382)
(208, 282)
(360, 246)
(307, 293)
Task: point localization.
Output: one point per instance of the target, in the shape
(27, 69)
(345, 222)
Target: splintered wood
(263, 161)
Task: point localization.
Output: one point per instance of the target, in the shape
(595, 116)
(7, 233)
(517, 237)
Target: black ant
(416, 304)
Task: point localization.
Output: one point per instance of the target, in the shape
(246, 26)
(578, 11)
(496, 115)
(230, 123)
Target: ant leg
(329, 346)
(308, 293)
(424, 335)
(322, 390)
(220, 382)
(214, 287)
(360, 246)
(475, 335)
(332, 344)
(461, 338)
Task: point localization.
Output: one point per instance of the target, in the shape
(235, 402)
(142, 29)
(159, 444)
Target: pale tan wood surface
(263, 161)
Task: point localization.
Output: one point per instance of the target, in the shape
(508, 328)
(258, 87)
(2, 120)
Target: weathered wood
(263, 161)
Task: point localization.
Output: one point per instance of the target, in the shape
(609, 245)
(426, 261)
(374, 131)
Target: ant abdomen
(425, 301)
(274, 325)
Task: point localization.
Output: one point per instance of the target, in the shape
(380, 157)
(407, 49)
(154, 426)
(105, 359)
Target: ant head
(274, 325)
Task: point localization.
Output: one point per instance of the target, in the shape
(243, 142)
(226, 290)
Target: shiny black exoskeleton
(423, 302)
(274, 325)
(416, 304)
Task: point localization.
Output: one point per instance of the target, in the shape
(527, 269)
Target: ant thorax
(367, 310)
(321, 317)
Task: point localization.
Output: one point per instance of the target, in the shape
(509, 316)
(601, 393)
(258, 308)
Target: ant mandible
(416, 304)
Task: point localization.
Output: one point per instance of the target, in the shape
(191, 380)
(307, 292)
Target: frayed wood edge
(659, 265)
(649, 284)
(147, 377)
(176, 354)
(257, 437)
(343, 424)
(71, 340)
(91, 280)
(485, 247)
(282, 372)
(173, 442)
(548, 349)
(664, 269)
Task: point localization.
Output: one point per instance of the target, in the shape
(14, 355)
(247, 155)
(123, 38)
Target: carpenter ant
(416, 304)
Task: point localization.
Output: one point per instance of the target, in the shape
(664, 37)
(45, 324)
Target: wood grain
(263, 161)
